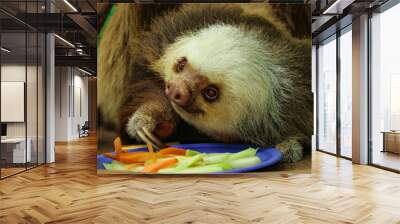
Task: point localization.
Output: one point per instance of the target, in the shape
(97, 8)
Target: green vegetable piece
(203, 169)
(213, 159)
(114, 166)
(168, 170)
(108, 166)
(245, 162)
(137, 169)
(190, 152)
(243, 154)
(225, 165)
(216, 154)
(118, 165)
(184, 163)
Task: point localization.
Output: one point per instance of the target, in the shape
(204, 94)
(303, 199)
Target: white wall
(61, 103)
(16, 73)
(33, 127)
(71, 102)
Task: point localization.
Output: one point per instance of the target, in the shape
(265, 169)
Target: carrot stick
(117, 147)
(150, 148)
(172, 151)
(109, 155)
(131, 166)
(135, 157)
(153, 168)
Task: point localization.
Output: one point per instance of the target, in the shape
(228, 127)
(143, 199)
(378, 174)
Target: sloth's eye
(181, 64)
(210, 93)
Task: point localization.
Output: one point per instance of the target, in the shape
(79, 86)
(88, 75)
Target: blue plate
(268, 156)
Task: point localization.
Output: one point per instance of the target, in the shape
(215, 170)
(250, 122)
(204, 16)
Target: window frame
(338, 33)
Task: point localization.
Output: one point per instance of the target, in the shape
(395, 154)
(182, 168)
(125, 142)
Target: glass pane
(327, 96)
(31, 100)
(13, 86)
(386, 89)
(41, 98)
(346, 94)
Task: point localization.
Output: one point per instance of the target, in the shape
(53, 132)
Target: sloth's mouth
(192, 109)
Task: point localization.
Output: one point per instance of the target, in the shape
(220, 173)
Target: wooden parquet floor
(69, 191)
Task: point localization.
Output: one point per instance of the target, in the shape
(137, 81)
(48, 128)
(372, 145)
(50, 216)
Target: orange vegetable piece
(131, 166)
(155, 167)
(172, 151)
(117, 147)
(135, 157)
(150, 148)
(109, 155)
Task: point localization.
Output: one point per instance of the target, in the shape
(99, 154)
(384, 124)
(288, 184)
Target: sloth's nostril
(178, 96)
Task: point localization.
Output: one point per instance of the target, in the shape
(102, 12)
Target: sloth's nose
(178, 92)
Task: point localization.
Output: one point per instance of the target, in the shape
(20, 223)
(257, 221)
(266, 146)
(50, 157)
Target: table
(17, 150)
(391, 141)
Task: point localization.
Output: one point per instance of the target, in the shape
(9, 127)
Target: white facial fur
(232, 57)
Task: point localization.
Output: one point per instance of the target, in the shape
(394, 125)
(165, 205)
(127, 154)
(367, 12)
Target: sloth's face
(215, 75)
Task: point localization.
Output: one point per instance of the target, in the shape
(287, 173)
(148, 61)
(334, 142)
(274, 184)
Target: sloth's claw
(155, 140)
(146, 136)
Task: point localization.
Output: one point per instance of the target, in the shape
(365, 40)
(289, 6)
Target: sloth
(231, 71)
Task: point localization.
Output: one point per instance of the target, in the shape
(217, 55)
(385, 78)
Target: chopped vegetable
(177, 160)
(137, 169)
(108, 166)
(168, 170)
(190, 152)
(152, 168)
(187, 162)
(203, 169)
(245, 162)
(132, 166)
(117, 146)
(114, 165)
(172, 151)
(212, 159)
(135, 157)
(150, 148)
(109, 155)
(243, 154)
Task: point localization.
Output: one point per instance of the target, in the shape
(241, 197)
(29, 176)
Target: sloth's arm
(292, 149)
(147, 107)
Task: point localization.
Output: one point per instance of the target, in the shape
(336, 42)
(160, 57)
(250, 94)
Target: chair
(84, 130)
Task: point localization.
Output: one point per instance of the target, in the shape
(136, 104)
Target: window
(327, 96)
(385, 89)
(346, 92)
(22, 77)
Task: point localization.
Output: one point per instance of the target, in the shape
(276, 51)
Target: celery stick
(167, 170)
(108, 166)
(245, 162)
(137, 169)
(243, 154)
(190, 152)
(118, 165)
(216, 154)
(213, 159)
(114, 166)
(203, 169)
(225, 165)
(184, 163)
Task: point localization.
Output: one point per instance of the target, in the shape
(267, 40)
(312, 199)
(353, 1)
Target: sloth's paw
(139, 120)
(292, 150)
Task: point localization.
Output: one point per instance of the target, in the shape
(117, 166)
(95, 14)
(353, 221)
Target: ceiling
(73, 20)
